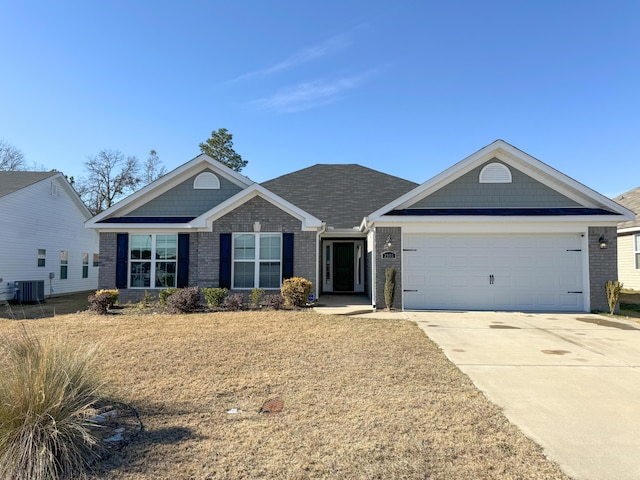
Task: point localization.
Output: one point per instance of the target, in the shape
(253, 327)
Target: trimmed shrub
(48, 390)
(185, 300)
(274, 301)
(296, 291)
(112, 293)
(100, 302)
(389, 286)
(255, 297)
(164, 294)
(214, 296)
(233, 302)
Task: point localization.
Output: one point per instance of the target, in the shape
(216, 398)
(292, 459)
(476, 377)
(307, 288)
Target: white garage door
(493, 272)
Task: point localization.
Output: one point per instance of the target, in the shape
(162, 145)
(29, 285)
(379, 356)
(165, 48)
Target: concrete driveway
(571, 382)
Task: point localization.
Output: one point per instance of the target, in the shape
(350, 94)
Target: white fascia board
(472, 228)
(343, 233)
(170, 180)
(517, 159)
(628, 230)
(205, 221)
(146, 227)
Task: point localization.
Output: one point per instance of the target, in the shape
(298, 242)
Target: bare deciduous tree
(110, 177)
(11, 158)
(152, 168)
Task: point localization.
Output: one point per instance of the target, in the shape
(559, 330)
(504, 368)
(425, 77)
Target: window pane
(42, 257)
(244, 247)
(141, 247)
(165, 274)
(243, 273)
(269, 274)
(140, 274)
(96, 260)
(637, 243)
(638, 261)
(85, 271)
(166, 247)
(270, 247)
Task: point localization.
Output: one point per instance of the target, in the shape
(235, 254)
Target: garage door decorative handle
(491, 279)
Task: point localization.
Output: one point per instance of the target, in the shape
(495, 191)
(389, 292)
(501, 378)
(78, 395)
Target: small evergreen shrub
(255, 297)
(214, 296)
(147, 299)
(274, 301)
(185, 300)
(613, 294)
(296, 291)
(112, 293)
(233, 302)
(48, 390)
(389, 287)
(165, 294)
(100, 302)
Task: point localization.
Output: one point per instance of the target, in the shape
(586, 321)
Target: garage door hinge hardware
(574, 292)
(574, 250)
(409, 290)
(409, 249)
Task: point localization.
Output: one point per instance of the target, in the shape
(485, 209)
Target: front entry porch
(343, 266)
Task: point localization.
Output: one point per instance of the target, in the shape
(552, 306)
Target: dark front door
(343, 267)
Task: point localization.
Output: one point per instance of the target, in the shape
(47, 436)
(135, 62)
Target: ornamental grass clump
(47, 394)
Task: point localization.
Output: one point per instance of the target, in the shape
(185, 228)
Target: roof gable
(341, 195)
(549, 189)
(149, 194)
(630, 200)
(13, 181)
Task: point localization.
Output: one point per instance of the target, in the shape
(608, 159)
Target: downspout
(366, 227)
(319, 258)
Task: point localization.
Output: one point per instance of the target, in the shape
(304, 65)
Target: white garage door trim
(514, 272)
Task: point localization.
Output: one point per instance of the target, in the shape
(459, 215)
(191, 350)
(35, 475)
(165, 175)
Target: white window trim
(152, 260)
(256, 261)
(636, 250)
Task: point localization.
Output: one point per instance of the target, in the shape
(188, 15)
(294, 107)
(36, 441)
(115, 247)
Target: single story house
(499, 230)
(629, 242)
(44, 245)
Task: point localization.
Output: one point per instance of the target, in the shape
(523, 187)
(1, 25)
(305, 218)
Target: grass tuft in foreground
(46, 393)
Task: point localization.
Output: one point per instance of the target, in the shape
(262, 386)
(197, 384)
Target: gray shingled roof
(340, 194)
(13, 181)
(631, 200)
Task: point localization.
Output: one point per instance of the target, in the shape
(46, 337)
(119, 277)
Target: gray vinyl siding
(468, 192)
(183, 200)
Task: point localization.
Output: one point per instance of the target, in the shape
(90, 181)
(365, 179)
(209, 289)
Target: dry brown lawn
(363, 399)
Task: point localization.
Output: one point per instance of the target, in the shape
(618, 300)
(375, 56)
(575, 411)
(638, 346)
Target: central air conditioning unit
(30, 291)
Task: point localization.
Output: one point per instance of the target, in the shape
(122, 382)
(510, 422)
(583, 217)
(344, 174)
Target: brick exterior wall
(603, 265)
(382, 264)
(204, 247)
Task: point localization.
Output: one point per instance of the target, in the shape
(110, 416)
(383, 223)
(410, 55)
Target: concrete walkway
(569, 382)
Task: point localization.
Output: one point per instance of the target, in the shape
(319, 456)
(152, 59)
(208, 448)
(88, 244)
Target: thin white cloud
(305, 96)
(327, 47)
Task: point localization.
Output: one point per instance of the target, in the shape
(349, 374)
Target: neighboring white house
(43, 238)
(629, 242)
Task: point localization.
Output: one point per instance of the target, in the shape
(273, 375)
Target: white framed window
(42, 257)
(153, 260)
(636, 250)
(85, 265)
(257, 260)
(96, 260)
(64, 264)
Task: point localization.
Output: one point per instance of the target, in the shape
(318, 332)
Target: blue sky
(406, 87)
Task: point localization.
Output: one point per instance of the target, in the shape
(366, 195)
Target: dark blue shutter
(183, 260)
(287, 255)
(122, 255)
(225, 260)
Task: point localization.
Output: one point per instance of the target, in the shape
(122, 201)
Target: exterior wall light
(388, 242)
(603, 242)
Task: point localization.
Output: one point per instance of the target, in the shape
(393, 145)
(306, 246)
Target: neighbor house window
(636, 250)
(64, 264)
(42, 257)
(153, 260)
(257, 260)
(85, 265)
(96, 260)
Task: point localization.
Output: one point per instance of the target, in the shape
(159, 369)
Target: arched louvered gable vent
(495, 173)
(206, 181)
